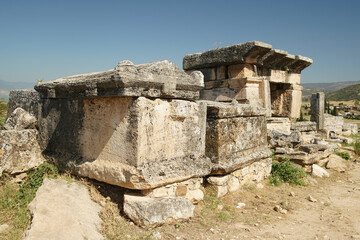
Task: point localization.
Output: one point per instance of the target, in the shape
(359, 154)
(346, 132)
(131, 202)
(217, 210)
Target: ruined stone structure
(252, 73)
(155, 128)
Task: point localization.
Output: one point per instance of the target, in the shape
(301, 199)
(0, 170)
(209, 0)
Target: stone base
(252, 173)
(190, 189)
(152, 212)
(19, 151)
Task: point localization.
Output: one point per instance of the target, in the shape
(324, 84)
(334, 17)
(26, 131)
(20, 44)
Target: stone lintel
(158, 79)
(250, 51)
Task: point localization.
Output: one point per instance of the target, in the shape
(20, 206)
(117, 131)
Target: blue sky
(51, 39)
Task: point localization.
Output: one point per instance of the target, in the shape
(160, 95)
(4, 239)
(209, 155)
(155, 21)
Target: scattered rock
(3, 227)
(279, 209)
(20, 177)
(336, 163)
(240, 205)
(318, 171)
(151, 212)
(311, 198)
(259, 185)
(156, 235)
(64, 211)
(292, 194)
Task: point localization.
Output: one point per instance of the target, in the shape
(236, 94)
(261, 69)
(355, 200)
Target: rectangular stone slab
(158, 79)
(136, 143)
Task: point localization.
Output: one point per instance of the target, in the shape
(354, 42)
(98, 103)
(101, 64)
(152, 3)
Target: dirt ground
(335, 214)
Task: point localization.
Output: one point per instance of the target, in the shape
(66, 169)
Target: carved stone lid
(251, 52)
(161, 79)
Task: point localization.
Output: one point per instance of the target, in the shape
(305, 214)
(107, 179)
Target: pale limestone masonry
(333, 124)
(252, 73)
(155, 128)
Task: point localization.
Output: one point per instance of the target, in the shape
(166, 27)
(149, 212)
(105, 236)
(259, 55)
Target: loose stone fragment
(151, 212)
(311, 199)
(318, 171)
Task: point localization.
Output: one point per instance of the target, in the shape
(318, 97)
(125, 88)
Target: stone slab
(63, 211)
(158, 79)
(152, 212)
(303, 126)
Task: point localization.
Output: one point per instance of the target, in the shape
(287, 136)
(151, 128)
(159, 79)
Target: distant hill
(345, 94)
(6, 86)
(310, 88)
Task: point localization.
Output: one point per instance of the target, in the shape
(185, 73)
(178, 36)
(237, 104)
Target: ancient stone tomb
(252, 73)
(155, 128)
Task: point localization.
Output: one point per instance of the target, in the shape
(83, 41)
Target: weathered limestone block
(304, 158)
(152, 212)
(244, 90)
(318, 171)
(303, 126)
(313, 148)
(63, 210)
(19, 150)
(19, 120)
(254, 172)
(353, 127)
(158, 79)
(336, 163)
(249, 174)
(282, 139)
(235, 136)
(26, 99)
(317, 109)
(281, 124)
(333, 123)
(135, 143)
(190, 189)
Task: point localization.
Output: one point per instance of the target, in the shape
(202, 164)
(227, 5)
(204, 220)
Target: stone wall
(333, 123)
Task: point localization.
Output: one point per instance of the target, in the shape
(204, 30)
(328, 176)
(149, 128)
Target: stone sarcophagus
(134, 126)
(235, 136)
(252, 73)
